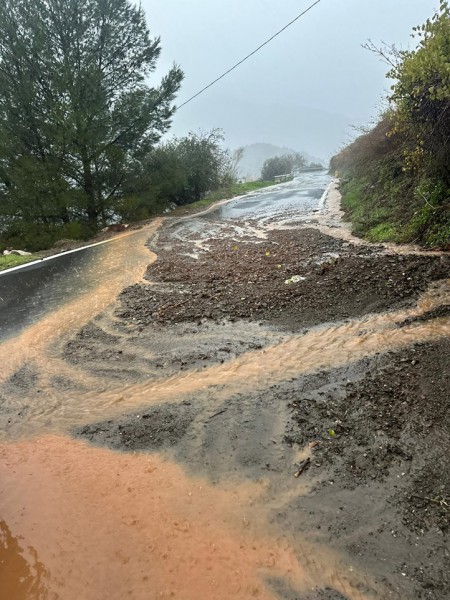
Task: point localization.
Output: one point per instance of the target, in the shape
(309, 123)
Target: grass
(384, 232)
(10, 261)
(236, 189)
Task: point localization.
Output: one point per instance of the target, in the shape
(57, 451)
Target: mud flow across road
(256, 405)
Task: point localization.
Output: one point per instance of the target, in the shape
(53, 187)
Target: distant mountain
(254, 155)
(288, 123)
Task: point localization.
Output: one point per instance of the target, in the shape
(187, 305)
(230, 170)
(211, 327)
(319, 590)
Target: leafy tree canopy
(180, 171)
(76, 109)
(282, 165)
(396, 177)
(421, 95)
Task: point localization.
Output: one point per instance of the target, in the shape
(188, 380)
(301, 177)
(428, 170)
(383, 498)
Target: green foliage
(384, 232)
(181, 171)
(251, 186)
(431, 220)
(421, 95)
(351, 198)
(396, 177)
(39, 236)
(282, 165)
(76, 110)
(203, 161)
(7, 262)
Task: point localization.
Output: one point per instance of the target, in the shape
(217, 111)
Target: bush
(39, 236)
(396, 177)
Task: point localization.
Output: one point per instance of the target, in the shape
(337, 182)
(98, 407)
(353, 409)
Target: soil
(247, 280)
(379, 458)
(376, 431)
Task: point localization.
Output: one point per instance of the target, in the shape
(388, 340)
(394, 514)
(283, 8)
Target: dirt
(126, 351)
(247, 280)
(378, 437)
(386, 437)
(376, 431)
(157, 427)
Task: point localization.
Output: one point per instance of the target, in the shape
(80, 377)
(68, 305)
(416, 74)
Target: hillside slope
(395, 179)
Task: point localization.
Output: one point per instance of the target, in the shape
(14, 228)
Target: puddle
(88, 523)
(22, 575)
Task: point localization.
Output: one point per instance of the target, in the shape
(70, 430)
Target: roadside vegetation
(282, 165)
(195, 169)
(10, 261)
(395, 178)
(81, 126)
(235, 189)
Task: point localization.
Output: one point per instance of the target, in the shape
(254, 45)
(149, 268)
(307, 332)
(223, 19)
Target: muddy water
(82, 522)
(322, 347)
(88, 523)
(58, 313)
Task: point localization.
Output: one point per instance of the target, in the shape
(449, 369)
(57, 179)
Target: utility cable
(249, 55)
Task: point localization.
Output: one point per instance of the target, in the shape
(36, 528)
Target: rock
(16, 253)
(115, 227)
(294, 279)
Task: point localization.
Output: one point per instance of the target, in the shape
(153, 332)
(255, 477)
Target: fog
(306, 90)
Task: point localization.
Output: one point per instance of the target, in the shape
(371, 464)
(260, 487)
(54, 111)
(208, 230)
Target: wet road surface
(300, 196)
(30, 293)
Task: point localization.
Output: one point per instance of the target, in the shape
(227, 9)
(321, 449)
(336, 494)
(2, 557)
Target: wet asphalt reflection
(301, 195)
(36, 290)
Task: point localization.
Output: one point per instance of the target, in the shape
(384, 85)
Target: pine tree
(76, 108)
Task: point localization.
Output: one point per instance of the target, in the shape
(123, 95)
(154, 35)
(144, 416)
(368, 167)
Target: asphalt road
(28, 294)
(295, 198)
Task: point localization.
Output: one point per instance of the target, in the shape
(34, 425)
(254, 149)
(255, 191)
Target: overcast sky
(305, 89)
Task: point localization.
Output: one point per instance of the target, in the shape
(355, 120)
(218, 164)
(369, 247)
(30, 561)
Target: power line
(251, 54)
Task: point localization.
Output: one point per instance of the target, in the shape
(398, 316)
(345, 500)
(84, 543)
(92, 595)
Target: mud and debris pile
(294, 278)
(383, 477)
(398, 414)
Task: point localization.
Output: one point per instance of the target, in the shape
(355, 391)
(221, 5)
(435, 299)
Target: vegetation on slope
(395, 179)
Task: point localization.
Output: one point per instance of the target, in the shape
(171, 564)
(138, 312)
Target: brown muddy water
(82, 522)
(77, 521)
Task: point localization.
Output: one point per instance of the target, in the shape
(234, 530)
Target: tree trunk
(91, 207)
